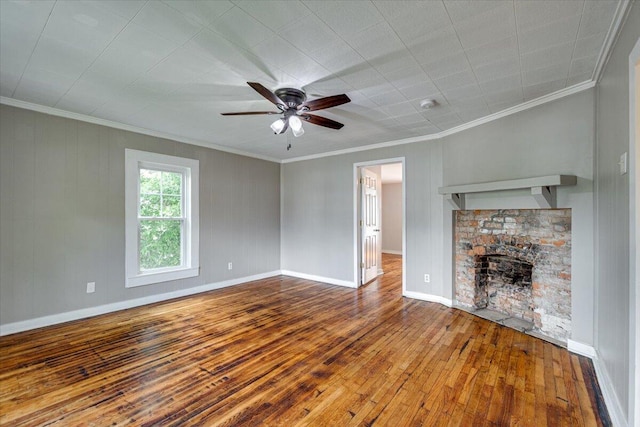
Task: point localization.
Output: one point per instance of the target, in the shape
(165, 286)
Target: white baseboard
(611, 400)
(392, 252)
(428, 297)
(581, 349)
(322, 279)
(54, 319)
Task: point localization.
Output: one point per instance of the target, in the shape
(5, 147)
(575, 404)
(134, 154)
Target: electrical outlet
(427, 278)
(91, 287)
(623, 163)
(230, 266)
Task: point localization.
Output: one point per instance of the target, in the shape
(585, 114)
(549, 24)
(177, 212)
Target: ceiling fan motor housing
(291, 97)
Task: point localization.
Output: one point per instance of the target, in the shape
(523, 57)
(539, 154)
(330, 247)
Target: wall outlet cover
(624, 163)
(91, 287)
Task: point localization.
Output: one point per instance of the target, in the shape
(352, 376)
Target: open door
(370, 225)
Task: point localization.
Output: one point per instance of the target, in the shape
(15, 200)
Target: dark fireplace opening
(504, 284)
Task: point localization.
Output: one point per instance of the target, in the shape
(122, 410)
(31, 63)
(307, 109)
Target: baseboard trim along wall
(428, 297)
(611, 400)
(329, 280)
(392, 252)
(581, 349)
(54, 319)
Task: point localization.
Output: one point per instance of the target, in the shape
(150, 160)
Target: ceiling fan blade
(322, 103)
(266, 93)
(249, 113)
(321, 121)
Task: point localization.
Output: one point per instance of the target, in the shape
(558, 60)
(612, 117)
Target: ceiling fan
(293, 106)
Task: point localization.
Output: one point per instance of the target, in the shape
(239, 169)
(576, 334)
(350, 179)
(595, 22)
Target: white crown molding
(495, 116)
(364, 148)
(486, 119)
(329, 280)
(116, 125)
(620, 16)
(521, 107)
(54, 319)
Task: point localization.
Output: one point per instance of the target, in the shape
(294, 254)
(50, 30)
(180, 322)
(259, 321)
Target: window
(161, 210)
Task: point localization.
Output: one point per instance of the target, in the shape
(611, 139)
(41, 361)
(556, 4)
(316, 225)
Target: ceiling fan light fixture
(296, 126)
(293, 106)
(277, 126)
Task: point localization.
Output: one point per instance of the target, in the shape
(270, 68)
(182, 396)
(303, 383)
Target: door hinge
(361, 180)
(362, 265)
(361, 223)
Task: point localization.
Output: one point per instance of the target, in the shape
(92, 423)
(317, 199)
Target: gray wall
(317, 208)
(392, 217)
(318, 220)
(612, 200)
(62, 214)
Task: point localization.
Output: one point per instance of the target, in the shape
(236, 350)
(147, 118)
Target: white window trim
(134, 159)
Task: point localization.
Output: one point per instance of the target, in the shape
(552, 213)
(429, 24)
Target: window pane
(150, 181)
(171, 207)
(160, 244)
(171, 183)
(150, 205)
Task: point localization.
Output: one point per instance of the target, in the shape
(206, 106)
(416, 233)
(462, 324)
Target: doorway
(370, 237)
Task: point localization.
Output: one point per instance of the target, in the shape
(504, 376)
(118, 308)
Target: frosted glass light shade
(277, 126)
(296, 126)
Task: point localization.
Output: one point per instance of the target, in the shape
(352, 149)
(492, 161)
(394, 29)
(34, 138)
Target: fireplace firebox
(516, 263)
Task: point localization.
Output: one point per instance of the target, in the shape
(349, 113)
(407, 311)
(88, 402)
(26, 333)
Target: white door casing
(370, 225)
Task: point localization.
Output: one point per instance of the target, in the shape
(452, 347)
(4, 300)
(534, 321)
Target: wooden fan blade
(321, 121)
(248, 113)
(266, 93)
(327, 102)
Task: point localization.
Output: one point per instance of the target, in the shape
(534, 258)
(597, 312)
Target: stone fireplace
(516, 264)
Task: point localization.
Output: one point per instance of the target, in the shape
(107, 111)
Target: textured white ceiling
(174, 66)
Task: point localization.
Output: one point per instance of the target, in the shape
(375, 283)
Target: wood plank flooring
(286, 352)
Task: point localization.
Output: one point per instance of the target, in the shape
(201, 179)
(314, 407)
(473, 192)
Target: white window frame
(134, 161)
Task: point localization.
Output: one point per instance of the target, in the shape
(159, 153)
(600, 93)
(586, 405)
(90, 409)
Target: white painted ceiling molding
(507, 112)
(619, 18)
(524, 106)
(108, 123)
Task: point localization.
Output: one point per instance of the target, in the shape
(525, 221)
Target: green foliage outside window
(160, 219)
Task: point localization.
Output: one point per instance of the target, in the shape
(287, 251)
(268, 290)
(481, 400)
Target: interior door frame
(356, 217)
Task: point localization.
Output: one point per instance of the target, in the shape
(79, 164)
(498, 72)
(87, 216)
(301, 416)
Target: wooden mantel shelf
(543, 189)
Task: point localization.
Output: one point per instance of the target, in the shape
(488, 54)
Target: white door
(370, 226)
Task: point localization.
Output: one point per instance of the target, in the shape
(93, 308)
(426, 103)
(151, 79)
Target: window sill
(165, 276)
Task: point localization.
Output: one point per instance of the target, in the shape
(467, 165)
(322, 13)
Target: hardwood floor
(286, 351)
